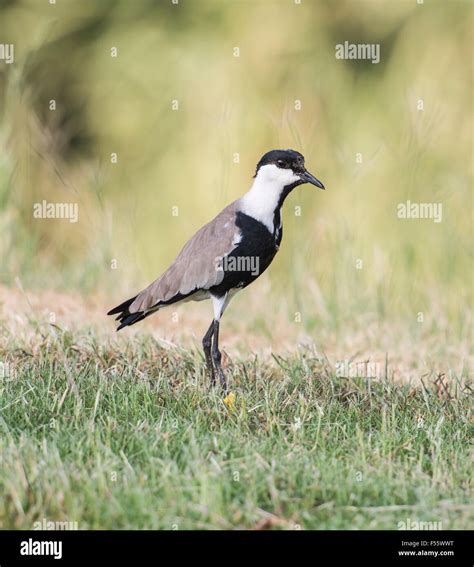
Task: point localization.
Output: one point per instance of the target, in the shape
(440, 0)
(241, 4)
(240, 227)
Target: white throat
(262, 199)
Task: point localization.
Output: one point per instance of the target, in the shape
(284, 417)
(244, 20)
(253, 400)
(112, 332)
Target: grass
(122, 433)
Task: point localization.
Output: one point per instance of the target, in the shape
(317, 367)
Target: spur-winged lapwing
(228, 253)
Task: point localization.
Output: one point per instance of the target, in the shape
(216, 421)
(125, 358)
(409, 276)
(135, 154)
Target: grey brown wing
(195, 267)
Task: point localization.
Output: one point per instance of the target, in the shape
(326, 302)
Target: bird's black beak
(306, 177)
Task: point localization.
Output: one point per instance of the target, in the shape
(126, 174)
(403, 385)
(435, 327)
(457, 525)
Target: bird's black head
(291, 161)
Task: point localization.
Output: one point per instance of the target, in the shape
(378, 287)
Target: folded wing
(193, 270)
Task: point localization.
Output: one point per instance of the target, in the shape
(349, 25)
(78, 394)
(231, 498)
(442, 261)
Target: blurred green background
(177, 168)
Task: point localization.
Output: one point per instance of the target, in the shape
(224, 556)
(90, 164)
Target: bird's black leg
(216, 356)
(206, 345)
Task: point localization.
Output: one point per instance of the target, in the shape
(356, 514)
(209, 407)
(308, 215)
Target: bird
(227, 254)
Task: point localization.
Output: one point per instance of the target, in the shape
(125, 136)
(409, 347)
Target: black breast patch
(251, 257)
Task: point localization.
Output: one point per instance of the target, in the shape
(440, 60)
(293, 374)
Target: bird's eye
(280, 163)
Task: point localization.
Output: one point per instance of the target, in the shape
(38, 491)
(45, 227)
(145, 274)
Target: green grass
(125, 434)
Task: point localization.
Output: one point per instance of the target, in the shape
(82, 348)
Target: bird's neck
(264, 200)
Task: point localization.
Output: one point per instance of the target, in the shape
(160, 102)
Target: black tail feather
(130, 319)
(125, 318)
(122, 307)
